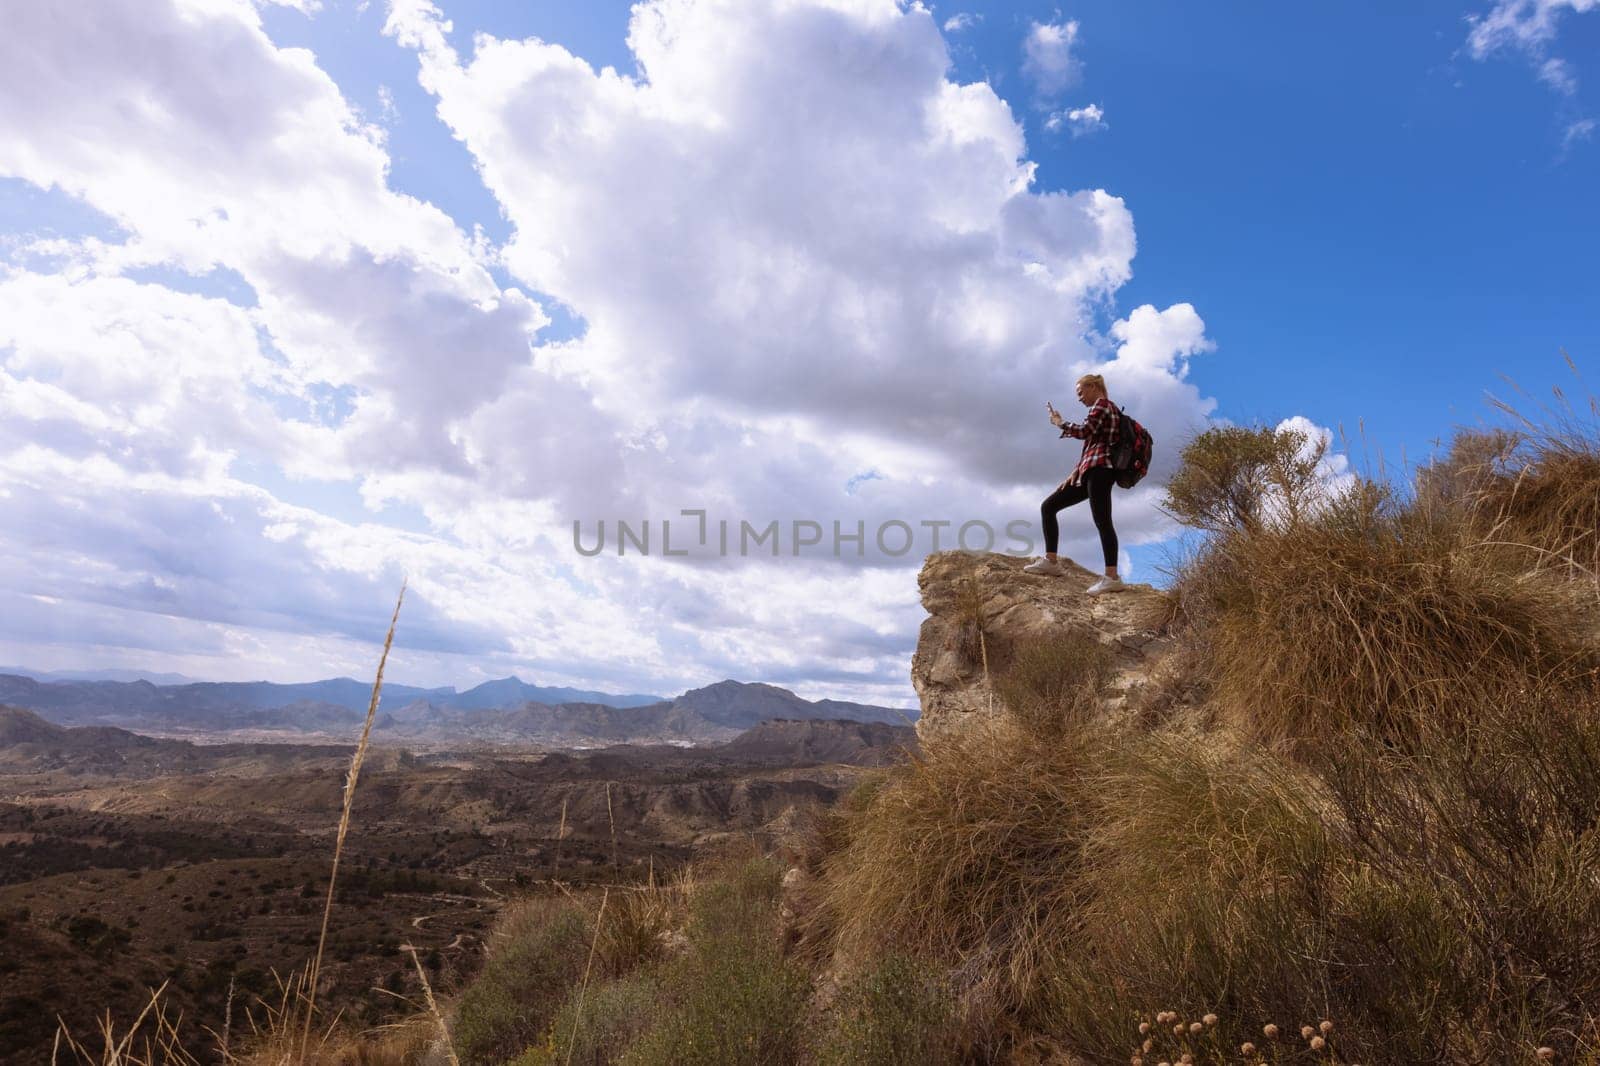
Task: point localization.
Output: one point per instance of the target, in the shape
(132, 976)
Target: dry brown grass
(1049, 684)
(971, 857)
(152, 1039)
(274, 1037)
(1374, 615)
(1442, 903)
(157, 1037)
(1393, 820)
(1534, 483)
(433, 1008)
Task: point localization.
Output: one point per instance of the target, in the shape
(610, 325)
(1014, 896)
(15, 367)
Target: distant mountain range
(340, 691)
(31, 744)
(98, 675)
(507, 711)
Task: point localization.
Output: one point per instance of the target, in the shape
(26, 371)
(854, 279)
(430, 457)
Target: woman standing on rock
(1090, 480)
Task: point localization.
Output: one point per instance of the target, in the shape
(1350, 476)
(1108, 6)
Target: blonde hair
(1094, 380)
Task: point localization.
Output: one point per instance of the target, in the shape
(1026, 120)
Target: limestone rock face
(961, 588)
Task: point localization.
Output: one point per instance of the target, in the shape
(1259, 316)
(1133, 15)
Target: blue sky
(1374, 225)
(299, 299)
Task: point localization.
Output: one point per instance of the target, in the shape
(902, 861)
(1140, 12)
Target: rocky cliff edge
(969, 593)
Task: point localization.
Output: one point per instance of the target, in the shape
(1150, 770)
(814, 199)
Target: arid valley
(127, 861)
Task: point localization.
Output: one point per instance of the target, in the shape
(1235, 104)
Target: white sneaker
(1048, 567)
(1106, 584)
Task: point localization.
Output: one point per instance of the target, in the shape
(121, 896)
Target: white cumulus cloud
(1079, 121)
(817, 278)
(1049, 59)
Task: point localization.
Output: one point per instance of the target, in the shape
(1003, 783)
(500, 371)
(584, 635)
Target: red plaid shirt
(1098, 433)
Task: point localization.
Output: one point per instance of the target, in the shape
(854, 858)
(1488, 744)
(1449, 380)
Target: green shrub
(613, 1014)
(538, 956)
(732, 997)
(897, 1013)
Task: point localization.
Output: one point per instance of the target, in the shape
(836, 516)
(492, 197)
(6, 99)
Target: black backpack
(1130, 455)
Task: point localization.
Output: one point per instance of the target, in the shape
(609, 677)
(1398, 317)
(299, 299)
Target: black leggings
(1096, 488)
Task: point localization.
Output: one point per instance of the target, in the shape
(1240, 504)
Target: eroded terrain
(127, 861)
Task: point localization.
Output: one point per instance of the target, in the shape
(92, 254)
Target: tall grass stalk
(162, 1046)
(227, 1022)
(612, 818)
(433, 1007)
(577, 1013)
(561, 834)
(344, 823)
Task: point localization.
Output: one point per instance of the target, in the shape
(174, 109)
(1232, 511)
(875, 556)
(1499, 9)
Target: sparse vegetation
(612, 1017)
(730, 996)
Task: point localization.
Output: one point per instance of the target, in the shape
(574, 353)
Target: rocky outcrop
(980, 603)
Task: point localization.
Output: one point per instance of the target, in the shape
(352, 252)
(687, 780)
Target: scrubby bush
(732, 997)
(1238, 479)
(539, 951)
(600, 1028)
(897, 1012)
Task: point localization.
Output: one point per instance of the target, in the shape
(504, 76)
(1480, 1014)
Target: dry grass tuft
(152, 1039)
(1050, 684)
(1373, 616)
(1535, 484)
(975, 646)
(433, 1008)
(970, 857)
